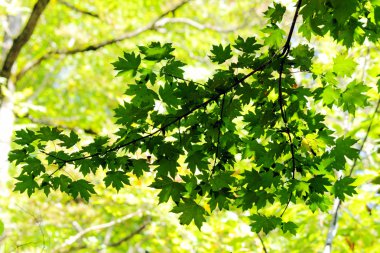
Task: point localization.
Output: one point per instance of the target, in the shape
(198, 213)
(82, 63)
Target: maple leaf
(353, 97)
(169, 188)
(156, 52)
(343, 187)
(318, 184)
(275, 13)
(265, 223)
(70, 140)
(25, 136)
(139, 166)
(117, 179)
(247, 46)
(81, 187)
(27, 183)
(344, 149)
(220, 54)
(344, 65)
(130, 62)
(190, 211)
(173, 68)
(290, 227)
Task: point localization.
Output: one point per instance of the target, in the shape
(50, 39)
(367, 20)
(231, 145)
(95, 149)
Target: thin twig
(262, 243)
(74, 8)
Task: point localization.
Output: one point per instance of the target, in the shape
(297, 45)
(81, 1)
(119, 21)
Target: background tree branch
(77, 9)
(158, 22)
(22, 38)
(71, 240)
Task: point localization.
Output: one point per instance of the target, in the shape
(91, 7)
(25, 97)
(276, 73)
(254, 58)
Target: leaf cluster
(197, 134)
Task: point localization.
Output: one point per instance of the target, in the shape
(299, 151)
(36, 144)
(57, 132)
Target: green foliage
(220, 54)
(129, 63)
(189, 211)
(343, 187)
(251, 109)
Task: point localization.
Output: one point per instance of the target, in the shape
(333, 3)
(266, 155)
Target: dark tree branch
(283, 57)
(22, 38)
(74, 8)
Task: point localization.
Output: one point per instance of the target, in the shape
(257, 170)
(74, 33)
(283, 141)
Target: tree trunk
(7, 117)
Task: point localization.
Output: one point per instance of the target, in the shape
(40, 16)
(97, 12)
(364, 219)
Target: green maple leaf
(139, 166)
(344, 65)
(33, 167)
(265, 223)
(353, 97)
(316, 201)
(263, 197)
(344, 9)
(25, 137)
(275, 13)
(318, 184)
(275, 37)
(117, 179)
(130, 62)
(247, 46)
(81, 187)
(173, 68)
(166, 167)
(18, 155)
(196, 160)
(343, 187)
(221, 180)
(220, 54)
(343, 149)
(49, 133)
(330, 95)
(190, 211)
(27, 183)
(302, 57)
(156, 52)
(86, 166)
(69, 141)
(302, 188)
(169, 188)
(289, 227)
